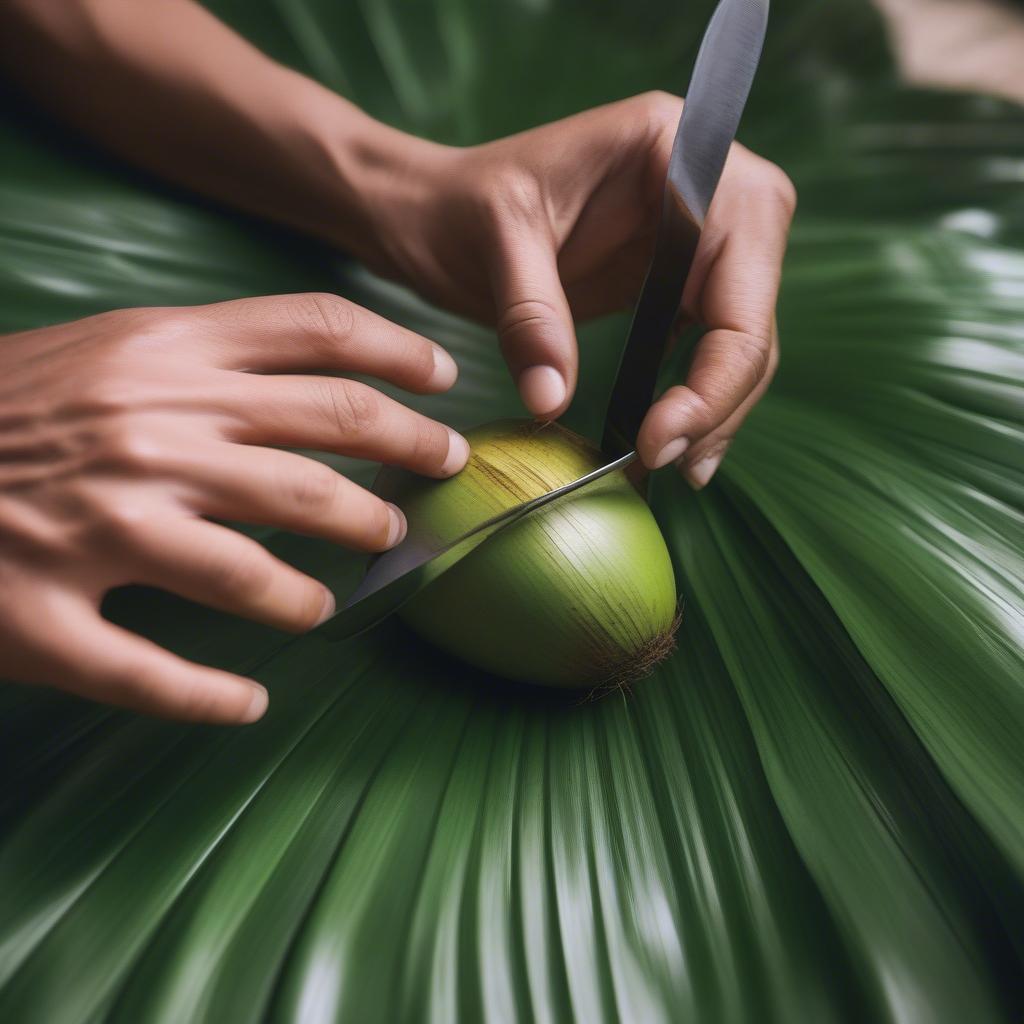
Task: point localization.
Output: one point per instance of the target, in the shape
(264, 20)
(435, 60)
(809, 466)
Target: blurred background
(971, 44)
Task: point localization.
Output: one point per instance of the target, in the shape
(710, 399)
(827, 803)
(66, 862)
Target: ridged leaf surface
(813, 812)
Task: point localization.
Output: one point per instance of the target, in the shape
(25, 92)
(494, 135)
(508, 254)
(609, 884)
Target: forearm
(168, 86)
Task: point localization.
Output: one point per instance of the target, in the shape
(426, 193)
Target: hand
(123, 431)
(528, 233)
(558, 223)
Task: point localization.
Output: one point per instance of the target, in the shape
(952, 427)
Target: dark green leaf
(813, 812)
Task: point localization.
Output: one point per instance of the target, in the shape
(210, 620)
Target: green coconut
(579, 593)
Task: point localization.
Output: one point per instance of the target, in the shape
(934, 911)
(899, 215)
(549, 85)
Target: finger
(219, 567)
(534, 324)
(726, 369)
(317, 330)
(277, 488)
(737, 302)
(103, 662)
(734, 280)
(344, 416)
(700, 462)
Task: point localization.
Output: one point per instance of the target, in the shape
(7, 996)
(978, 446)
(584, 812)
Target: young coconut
(579, 593)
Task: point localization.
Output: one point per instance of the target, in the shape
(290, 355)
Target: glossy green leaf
(813, 812)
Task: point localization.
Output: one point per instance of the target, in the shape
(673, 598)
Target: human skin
(529, 233)
(124, 434)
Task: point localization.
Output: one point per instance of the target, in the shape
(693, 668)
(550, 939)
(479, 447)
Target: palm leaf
(814, 811)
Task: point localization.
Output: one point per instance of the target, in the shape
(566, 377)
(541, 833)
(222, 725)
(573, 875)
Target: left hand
(555, 224)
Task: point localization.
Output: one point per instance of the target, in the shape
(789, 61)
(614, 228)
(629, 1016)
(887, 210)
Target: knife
(719, 86)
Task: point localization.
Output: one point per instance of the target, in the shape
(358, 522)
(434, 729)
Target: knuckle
(659, 112)
(353, 408)
(119, 326)
(128, 446)
(773, 363)
(315, 488)
(506, 197)
(153, 331)
(755, 353)
(324, 315)
(682, 396)
(651, 124)
(659, 103)
(248, 575)
(430, 444)
(526, 312)
(124, 524)
(162, 328)
(696, 406)
(785, 192)
(681, 404)
(777, 187)
(106, 391)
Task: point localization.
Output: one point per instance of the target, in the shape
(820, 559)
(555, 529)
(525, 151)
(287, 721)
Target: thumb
(534, 322)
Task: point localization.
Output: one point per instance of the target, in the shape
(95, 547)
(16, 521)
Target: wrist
(373, 182)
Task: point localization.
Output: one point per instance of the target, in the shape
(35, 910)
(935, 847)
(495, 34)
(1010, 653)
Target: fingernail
(328, 607)
(671, 452)
(700, 473)
(458, 453)
(397, 525)
(257, 705)
(445, 370)
(542, 389)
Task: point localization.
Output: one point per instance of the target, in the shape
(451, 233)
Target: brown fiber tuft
(622, 670)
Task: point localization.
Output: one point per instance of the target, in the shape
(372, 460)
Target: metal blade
(400, 573)
(719, 86)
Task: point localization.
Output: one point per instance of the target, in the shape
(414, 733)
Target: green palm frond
(813, 812)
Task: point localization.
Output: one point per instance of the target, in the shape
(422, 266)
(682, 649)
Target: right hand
(557, 224)
(123, 435)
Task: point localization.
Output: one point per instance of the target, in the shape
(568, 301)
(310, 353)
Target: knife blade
(722, 76)
(423, 555)
(719, 86)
